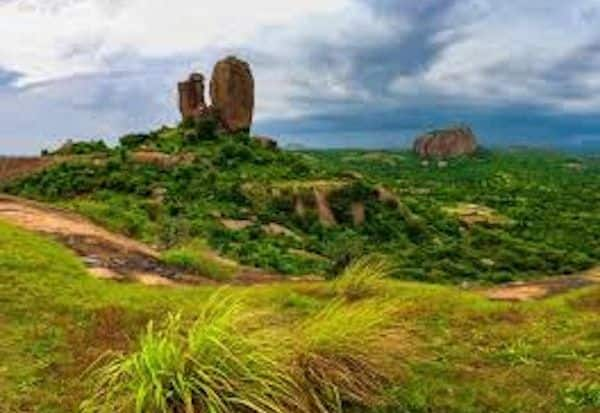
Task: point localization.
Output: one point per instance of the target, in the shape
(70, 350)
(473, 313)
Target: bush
(82, 148)
(206, 128)
(134, 140)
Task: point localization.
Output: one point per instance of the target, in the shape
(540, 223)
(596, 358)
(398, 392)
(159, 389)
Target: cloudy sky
(370, 73)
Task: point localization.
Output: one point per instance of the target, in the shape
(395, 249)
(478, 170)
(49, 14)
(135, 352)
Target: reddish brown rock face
(232, 94)
(191, 96)
(446, 143)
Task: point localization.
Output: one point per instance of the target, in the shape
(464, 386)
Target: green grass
(427, 348)
(203, 366)
(195, 257)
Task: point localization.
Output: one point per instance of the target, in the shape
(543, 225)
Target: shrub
(134, 140)
(206, 128)
(363, 278)
(82, 148)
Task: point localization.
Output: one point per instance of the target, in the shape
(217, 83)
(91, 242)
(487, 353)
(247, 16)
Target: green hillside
(438, 349)
(493, 217)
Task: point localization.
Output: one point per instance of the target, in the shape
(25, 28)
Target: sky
(329, 73)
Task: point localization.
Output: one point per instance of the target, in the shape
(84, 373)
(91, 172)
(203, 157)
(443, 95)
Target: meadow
(438, 349)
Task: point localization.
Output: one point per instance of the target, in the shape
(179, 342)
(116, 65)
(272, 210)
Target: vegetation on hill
(437, 349)
(493, 217)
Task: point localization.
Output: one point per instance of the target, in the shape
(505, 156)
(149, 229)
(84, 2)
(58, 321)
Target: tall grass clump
(205, 366)
(363, 278)
(337, 356)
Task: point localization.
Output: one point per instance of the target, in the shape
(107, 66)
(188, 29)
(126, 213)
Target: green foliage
(420, 228)
(210, 366)
(134, 140)
(206, 128)
(83, 148)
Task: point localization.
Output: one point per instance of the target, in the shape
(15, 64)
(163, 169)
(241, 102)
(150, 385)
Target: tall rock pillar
(232, 94)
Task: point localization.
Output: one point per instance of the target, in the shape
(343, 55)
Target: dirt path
(540, 289)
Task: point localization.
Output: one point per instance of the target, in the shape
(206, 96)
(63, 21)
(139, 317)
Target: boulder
(446, 143)
(191, 96)
(232, 94)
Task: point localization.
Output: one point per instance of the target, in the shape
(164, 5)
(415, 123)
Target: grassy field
(494, 217)
(438, 349)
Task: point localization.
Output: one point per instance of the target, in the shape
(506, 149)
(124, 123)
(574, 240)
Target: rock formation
(232, 94)
(446, 143)
(191, 96)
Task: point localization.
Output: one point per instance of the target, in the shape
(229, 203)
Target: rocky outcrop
(191, 96)
(446, 143)
(232, 94)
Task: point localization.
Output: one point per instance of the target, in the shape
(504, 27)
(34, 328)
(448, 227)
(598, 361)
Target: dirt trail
(540, 289)
(108, 255)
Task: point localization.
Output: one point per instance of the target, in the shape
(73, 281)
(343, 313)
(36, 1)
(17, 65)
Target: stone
(236, 224)
(446, 143)
(232, 94)
(279, 230)
(191, 96)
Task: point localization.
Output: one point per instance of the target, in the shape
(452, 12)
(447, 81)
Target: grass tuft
(363, 278)
(337, 356)
(207, 366)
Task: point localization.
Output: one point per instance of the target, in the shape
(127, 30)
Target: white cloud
(49, 39)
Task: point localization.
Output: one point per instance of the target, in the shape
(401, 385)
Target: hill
(492, 217)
